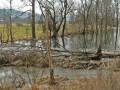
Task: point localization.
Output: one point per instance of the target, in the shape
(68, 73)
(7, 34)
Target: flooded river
(35, 72)
(80, 42)
(71, 42)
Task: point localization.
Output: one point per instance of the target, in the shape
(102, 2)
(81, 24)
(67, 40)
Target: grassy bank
(23, 31)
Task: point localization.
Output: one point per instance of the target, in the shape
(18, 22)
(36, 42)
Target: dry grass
(6, 85)
(110, 82)
(23, 58)
(112, 64)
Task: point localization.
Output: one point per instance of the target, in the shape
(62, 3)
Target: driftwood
(90, 55)
(67, 53)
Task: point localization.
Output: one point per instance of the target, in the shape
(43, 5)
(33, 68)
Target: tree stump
(98, 54)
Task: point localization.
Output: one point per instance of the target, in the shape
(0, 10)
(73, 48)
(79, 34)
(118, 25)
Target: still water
(89, 41)
(71, 42)
(31, 72)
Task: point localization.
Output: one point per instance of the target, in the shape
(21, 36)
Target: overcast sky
(18, 5)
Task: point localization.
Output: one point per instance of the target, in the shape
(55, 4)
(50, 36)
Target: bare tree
(48, 48)
(9, 25)
(33, 17)
(58, 10)
(97, 5)
(11, 34)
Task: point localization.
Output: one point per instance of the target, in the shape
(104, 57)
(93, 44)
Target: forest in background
(72, 37)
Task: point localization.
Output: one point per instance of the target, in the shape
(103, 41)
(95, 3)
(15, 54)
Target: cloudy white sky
(18, 5)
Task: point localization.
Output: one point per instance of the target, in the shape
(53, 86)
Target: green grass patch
(23, 31)
(20, 31)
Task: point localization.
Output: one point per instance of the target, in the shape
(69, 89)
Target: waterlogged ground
(67, 55)
(32, 71)
(22, 78)
(72, 42)
(30, 74)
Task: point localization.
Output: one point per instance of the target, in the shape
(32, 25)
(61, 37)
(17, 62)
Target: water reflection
(37, 72)
(90, 41)
(76, 42)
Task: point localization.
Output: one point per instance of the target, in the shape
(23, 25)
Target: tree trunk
(63, 31)
(7, 31)
(55, 33)
(106, 25)
(48, 51)
(11, 34)
(117, 13)
(33, 19)
(97, 23)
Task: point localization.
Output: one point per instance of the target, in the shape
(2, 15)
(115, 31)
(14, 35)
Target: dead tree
(99, 53)
(48, 49)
